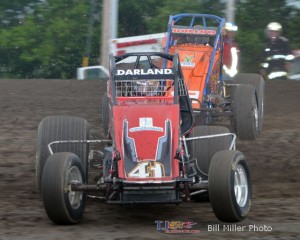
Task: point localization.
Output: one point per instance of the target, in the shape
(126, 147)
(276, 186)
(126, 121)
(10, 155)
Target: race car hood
(147, 138)
(194, 61)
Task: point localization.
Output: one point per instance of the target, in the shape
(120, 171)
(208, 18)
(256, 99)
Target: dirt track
(274, 159)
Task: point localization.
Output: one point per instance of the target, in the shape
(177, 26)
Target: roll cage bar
(190, 19)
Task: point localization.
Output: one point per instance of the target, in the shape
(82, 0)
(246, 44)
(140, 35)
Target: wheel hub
(75, 197)
(240, 186)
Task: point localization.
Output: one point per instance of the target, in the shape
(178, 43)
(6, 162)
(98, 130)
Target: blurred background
(50, 38)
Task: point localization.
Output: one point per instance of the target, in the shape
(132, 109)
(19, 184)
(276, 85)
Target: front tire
(62, 205)
(230, 186)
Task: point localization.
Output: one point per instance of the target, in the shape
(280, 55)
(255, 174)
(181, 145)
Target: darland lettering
(144, 72)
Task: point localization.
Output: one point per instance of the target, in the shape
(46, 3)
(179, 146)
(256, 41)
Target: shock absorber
(183, 160)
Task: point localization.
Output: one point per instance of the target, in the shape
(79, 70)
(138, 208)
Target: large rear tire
(258, 83)
(56, 128)
(202, 150)
(62, 205)
(229, 186)
(246, 112)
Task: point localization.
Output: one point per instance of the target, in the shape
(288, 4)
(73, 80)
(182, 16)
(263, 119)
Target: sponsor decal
(188, 61)
(187, 64)
(146, 124)
(144, 72)
(194, 31)
(194, 94)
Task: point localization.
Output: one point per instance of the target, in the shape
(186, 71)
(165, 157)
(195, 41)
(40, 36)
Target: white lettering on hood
(144, 72)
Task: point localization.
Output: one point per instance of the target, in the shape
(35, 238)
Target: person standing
(277, 55)
(230, 51)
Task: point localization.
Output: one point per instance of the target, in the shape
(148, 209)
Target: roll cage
(198, 26)
(132, 68)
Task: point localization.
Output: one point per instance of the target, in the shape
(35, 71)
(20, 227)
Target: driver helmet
(147, 87)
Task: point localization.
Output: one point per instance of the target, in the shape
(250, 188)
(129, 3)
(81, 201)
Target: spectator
(277, 55)
(231, 51)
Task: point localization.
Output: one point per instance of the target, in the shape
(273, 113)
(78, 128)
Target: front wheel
(229, 186)
(62, 205)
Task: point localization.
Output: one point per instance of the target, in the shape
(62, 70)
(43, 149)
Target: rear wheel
(202, 150)
(62, 205)
(56, 128)
(246, 112)
(229, 186)
(258, 83)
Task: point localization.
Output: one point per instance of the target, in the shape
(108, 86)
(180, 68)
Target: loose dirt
(274, 159)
